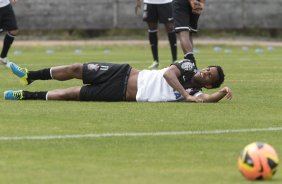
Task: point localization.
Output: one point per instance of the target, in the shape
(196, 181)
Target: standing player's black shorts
(7, 19)
(104, 81)
(184, 19)
(158, 13)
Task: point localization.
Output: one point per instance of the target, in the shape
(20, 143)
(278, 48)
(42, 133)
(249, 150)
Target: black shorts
(8, 20)
(157, 13)
(104, 82)
(184, 19)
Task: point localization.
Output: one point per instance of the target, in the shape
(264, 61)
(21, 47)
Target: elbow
(166, 75)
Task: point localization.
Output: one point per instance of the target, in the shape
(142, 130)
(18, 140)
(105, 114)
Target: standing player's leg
(186, 36)
(172, 40)
(9, 23)
(150, 15)
(72, 93)
(186, 41)
(153, 39)
(8, 41)
(186, 24)
(165, 17)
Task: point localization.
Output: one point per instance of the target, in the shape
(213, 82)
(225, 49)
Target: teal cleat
(19, 72)
(13, 95)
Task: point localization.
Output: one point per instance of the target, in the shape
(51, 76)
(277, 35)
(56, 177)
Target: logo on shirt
(186, 66)
(93, 67)
(104, 67)
(177, 95)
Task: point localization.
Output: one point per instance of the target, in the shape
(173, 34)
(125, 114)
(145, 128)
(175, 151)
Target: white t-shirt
(157, 1)
(4, 3)
(152, 87)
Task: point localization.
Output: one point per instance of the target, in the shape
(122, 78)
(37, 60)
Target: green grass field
(201, 158)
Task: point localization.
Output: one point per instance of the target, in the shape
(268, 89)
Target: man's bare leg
(172, 40)
(153, 39)
(60, 73)
(186, 42)
(71, 93)
(67, 72)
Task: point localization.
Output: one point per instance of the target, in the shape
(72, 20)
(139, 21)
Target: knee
(185, 34)
(169, 28)
(14, 32)
(152, 26)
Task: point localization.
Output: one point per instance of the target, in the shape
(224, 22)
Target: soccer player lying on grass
(181, 81)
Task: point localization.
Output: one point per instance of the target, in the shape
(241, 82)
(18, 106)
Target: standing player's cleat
(154, 65)
(20, 72)
(4, 61)
(13, 95)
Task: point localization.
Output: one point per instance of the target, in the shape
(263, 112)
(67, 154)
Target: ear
(209, 86)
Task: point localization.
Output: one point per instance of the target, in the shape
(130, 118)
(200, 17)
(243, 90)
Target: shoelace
(21, 69)
(18, 95)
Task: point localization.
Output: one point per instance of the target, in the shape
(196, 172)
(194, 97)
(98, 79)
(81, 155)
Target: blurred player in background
(156, 11)
(8, 23)
(186, 14)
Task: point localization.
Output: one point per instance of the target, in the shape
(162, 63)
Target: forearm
(217, 96)
(172, 80)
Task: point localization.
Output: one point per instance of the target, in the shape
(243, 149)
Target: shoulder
(185, 65)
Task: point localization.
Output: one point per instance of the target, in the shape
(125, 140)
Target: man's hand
(227, 91)
(197, 6)
(137, 6)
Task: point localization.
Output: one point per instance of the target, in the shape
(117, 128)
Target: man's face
(207, 76)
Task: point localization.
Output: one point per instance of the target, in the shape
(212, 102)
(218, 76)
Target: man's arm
(171, 76)
(197, 6)
(13, 1)
(217, 96)
(137, 6)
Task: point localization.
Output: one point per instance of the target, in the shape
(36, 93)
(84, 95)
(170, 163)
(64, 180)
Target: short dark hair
(220, 77)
